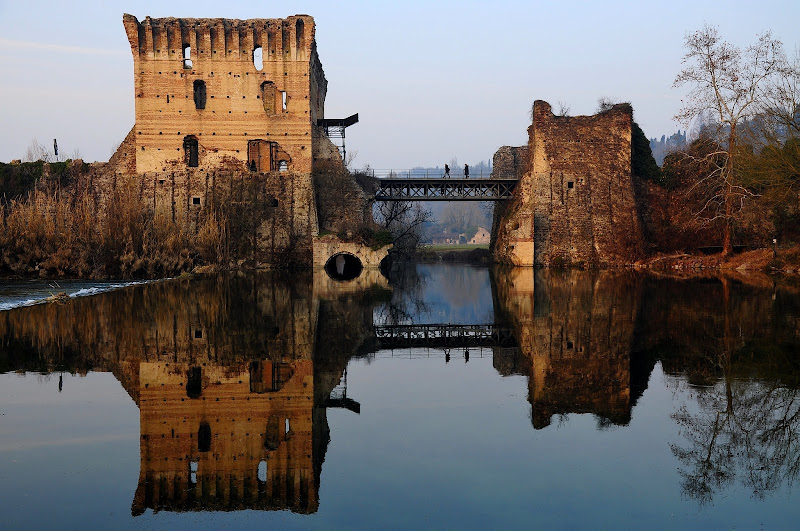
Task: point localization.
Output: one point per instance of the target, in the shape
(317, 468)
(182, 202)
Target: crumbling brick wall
(575, 204)
(507, 162)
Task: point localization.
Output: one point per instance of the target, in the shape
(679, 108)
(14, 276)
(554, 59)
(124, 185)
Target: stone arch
(344, 266)
(328, 246)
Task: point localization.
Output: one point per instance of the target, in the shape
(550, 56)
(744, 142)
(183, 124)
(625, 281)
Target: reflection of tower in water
(217, 437)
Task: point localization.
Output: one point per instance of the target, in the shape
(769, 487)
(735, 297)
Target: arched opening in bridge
(343, 266)
(385, 266)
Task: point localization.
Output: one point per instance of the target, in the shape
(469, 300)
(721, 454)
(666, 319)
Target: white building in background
(481, 237)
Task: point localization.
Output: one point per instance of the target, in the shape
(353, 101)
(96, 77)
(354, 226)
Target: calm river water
(583, 399)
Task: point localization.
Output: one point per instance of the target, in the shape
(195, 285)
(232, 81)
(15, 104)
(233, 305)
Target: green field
(460, 247)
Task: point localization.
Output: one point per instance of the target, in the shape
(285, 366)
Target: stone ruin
(224, 106)
(574, 204)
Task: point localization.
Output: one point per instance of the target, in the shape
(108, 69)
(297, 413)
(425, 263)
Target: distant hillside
(661, 148)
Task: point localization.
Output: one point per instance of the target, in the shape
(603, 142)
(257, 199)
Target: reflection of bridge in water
(233, 398)
(444, 336)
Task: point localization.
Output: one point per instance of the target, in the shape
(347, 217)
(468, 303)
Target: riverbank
(456, 254)
(783, 260)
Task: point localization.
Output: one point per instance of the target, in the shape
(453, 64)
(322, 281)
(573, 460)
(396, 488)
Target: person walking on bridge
(466, 171)
(446, 172)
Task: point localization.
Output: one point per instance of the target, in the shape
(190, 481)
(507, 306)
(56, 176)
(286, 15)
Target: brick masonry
(575, 203)
(222, 105)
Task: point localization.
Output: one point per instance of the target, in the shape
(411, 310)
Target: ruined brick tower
(224, 106)
(211, 91)
(574, 204)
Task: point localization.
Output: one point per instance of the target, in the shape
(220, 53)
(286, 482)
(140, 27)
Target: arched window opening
(199, 94)
(268, 97)
(191, 157)
(258, 58)
(300, 37)
(204, 437)
(284, 100)
(194, 382)
(262, 471)
(343, 266)
(187, 56)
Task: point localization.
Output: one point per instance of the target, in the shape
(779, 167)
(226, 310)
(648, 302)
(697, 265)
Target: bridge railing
(434, 173)
(443, 335)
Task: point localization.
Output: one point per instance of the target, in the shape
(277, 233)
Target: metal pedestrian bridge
(422, 189)
(444, 336)
(434, 185)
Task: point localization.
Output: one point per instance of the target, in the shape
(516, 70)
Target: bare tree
(404, 220)
(776, 131)
(563, 109)
(461, 215)
(37, 151)
(732, 86)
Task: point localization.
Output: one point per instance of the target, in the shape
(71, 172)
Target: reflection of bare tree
(742, 428)
(407, 298)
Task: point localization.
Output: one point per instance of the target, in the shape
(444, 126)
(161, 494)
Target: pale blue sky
(430, 80)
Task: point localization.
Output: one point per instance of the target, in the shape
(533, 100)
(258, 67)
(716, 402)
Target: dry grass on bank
(51, 234)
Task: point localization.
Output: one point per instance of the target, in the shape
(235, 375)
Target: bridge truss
(422, 189)
(444, 336)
